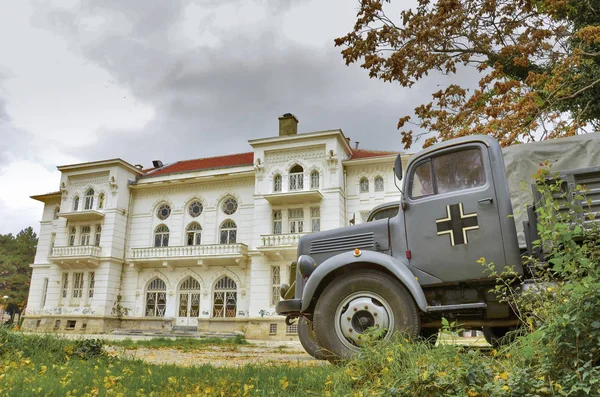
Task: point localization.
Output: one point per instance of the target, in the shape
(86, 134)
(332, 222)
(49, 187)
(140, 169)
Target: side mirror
(398, 168)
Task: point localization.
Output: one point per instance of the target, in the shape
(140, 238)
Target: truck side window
(448, 173)
(422, 182)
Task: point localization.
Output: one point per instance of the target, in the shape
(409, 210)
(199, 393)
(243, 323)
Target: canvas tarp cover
(522, 162)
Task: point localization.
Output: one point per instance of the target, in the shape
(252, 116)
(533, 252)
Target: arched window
(89, 199)
(101, 201)
(75, 203)
(379, 184)
(193, 232)
(189, 298)
(156, 298)
(364, 185)
(225, 298)
(228, 232)
(314, 179)
(161, 236)
(296, 177)
(277, 184)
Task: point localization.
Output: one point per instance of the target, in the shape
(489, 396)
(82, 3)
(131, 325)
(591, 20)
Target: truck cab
(404, 272)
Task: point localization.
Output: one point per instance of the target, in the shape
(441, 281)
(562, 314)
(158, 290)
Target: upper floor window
(163, 211)
(314, 179)
(98, 235)
(296, 219)
(228, 232)
(379, 184)
(315, 219)
(76, 203)
(448, 173)
(161, 236)
(296, 177)
(85, 235)
(230, 206)
(364, 185)
(194, 233)
(101, 199)
(277, 220)
(89, 199)
(277, 183)
(195, 209)
(72, 236)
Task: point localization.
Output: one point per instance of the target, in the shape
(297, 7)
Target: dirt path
(219, 356)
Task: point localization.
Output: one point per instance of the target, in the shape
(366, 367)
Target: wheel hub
(361, 313)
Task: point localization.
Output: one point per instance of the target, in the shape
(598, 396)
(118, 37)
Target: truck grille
(592, 183)
(342, 243)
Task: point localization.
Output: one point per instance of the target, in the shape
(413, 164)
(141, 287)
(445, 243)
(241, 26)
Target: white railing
(189, 251)
(76, 251)
(281, 240)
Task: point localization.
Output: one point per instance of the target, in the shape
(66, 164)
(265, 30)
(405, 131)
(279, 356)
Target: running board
(463, 306)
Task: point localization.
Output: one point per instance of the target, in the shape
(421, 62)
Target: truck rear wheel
(350, 305)
(499, 336)
(306, 334)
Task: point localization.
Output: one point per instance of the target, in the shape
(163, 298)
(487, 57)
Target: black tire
(499, 336)
(383, 301)
(308, 340)
(429, 335)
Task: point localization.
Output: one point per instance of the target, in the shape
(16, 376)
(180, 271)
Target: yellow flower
(472, 393)
(284, 383)
(504, 387)
(504, 375)
(507, 355)
(42, 369)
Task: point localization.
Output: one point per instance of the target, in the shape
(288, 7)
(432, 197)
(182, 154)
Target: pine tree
(16, 254)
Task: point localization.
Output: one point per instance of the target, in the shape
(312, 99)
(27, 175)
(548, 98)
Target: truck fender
(396, 266)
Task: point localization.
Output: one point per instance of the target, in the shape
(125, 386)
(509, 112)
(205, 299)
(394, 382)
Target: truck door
(452, 216)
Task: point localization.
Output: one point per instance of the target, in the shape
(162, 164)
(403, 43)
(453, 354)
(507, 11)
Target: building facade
(200, 244)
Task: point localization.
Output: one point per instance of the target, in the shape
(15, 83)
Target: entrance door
(188, 302)
(452, 217)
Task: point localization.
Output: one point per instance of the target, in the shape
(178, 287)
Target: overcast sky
(172, 80)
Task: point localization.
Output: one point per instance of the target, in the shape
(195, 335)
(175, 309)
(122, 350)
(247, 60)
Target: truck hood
(373, 236)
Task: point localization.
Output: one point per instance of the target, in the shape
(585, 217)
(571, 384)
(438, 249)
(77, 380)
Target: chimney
(356, 144)
(157, 163)
(288, 125)
(139, 166)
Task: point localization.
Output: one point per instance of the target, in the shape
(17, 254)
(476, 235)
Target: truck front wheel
(306, 334)
(356, 302)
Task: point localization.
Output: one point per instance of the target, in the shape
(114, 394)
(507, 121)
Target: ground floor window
(225, 298)
(275, 284)
(189, 298)
(156, 298)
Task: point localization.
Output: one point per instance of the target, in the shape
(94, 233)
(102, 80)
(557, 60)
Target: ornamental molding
(225, 272)
(370, 171)
(96, 178)
(196, 189)
(306, 153)
(192, 274)
(155, 274)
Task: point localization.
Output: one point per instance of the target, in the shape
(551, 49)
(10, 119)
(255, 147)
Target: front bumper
(289, 307)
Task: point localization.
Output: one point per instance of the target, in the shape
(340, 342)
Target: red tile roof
(231, 160)
(364, 154)
(239, 159)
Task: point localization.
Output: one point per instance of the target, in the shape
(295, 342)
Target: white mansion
(200, 243)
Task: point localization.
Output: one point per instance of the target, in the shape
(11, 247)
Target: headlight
(306, 265)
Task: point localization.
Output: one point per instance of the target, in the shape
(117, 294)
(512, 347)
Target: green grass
(184, 344)
(33, 365)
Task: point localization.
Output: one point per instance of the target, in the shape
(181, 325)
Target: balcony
(280, 246)
(194, 255)
(294, 197)
(76, 256)
(84, 215)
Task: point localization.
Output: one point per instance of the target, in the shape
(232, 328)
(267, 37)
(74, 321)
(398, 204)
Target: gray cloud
(210, 100)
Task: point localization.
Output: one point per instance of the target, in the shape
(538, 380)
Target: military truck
(406, 272)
